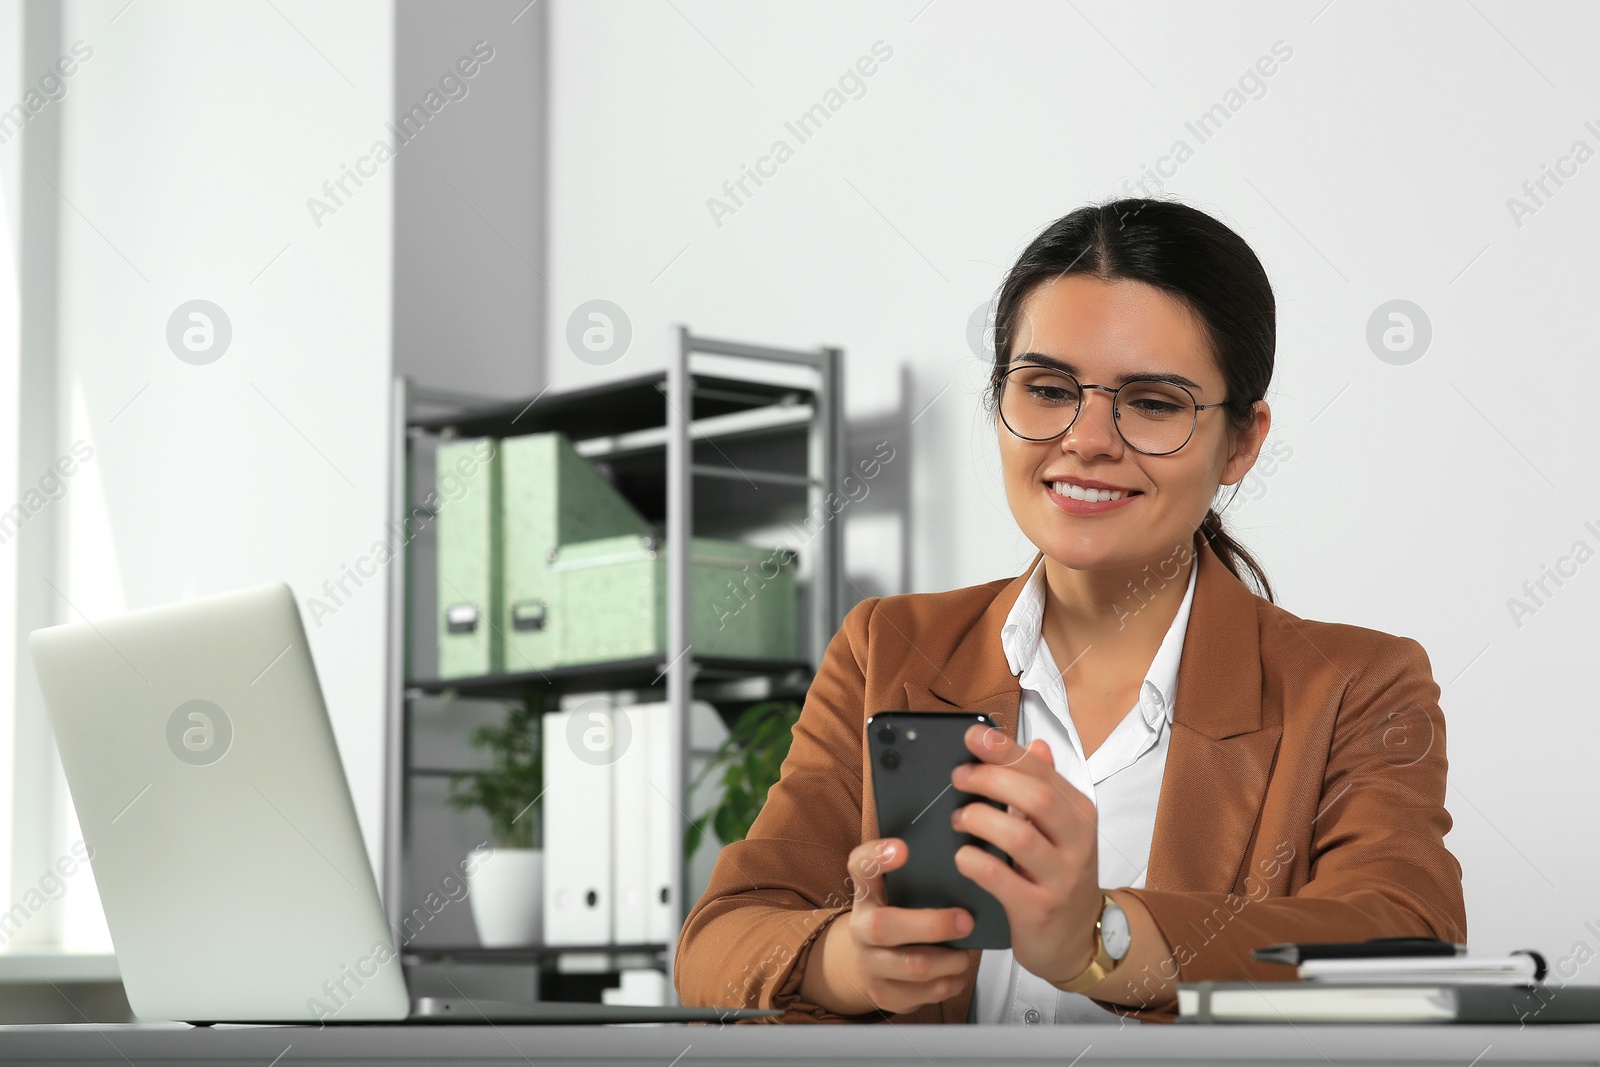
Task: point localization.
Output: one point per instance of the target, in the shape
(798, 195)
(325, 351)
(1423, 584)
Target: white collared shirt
(1122, 777)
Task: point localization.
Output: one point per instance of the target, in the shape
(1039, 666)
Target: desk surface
(782, 1046)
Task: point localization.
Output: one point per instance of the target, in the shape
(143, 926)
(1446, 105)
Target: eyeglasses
(1155, 417)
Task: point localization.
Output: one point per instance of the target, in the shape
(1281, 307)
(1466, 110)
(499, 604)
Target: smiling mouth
(1078, 492)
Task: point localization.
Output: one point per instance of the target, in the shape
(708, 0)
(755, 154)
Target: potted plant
(750, 760)
(505, 880)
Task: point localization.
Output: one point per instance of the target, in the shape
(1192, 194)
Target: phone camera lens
(886, 735)
(890, 760)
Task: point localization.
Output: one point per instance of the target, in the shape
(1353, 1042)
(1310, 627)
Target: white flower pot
(507, 890)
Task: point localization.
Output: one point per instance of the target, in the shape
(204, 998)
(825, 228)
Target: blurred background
(341, 204)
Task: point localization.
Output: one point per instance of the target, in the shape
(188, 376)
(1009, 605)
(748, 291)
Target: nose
(1094, 432)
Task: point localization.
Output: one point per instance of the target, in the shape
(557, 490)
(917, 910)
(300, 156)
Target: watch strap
(1102, 963)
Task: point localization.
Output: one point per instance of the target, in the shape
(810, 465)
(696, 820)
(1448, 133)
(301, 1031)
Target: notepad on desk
(1319, 1002)
(1519, 968)
(1392, 980)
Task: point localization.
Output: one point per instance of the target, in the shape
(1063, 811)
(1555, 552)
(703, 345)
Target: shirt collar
(1020, 637)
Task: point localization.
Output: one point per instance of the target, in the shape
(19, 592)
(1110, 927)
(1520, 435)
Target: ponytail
(1233, 555)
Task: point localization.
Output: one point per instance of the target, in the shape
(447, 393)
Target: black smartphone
(913, 754)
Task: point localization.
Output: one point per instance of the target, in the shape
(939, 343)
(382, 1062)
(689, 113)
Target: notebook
(1312, 1002)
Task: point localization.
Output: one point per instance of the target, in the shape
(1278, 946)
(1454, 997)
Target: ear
(1247, 444)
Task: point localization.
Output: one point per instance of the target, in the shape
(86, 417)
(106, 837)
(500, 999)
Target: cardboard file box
(552, 497)
(612, 600)
(469, 578)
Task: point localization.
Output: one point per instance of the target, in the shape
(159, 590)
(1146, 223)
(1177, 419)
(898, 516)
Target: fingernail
(963, 924)
(885, 852)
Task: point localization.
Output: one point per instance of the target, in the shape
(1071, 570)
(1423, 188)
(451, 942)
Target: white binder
(577, 825)
(645, 810)
(631, 794)
(661, 812)
(608, 814)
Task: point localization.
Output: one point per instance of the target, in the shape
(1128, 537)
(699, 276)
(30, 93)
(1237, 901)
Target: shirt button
(1030, 1017)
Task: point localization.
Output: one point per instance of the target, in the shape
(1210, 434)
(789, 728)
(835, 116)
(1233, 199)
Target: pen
(1377, 947)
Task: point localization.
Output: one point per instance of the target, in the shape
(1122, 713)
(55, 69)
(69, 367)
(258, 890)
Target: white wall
(11, 80)
(1375, 165)
(32, 167)
(190, 143)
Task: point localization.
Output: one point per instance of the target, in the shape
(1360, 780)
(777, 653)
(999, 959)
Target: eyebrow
(1063, 365)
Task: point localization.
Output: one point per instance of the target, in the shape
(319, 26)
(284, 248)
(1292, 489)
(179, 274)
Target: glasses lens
(1037, 402)
(1155, 417)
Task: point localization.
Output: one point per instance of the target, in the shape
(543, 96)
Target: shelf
(612, 409)
(723, 454)
(752, 476)
(791, 419)
(530, 954)
(619, 674)
(746, 483)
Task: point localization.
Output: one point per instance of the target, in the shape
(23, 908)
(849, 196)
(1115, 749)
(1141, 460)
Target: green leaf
(694, 836)
(728, 824)
(750, 761)
(507, 789)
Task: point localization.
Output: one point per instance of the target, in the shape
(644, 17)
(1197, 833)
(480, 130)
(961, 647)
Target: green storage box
(613, 599)
(469, 579)
(552, 496)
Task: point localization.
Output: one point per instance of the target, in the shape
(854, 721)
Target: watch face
(1115, 933)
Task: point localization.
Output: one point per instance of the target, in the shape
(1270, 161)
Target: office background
(1435, 153)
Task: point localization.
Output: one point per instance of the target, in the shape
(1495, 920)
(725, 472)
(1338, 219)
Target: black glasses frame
(1116, 413)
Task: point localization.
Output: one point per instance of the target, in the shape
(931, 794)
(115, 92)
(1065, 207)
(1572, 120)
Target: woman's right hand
(878, 957)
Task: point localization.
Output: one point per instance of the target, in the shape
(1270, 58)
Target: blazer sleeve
(1378, 863)
(746, 941)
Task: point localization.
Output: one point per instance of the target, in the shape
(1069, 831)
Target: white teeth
(1077, 492)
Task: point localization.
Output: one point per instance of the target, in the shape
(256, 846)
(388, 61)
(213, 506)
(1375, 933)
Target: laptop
(224, 842)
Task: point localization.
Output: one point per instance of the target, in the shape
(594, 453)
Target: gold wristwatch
(1112, 938)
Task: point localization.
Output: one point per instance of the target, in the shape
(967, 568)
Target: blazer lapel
(976, 676)
(1222, 747)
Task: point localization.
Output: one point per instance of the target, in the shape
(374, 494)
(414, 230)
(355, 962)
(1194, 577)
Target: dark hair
(1189, 255)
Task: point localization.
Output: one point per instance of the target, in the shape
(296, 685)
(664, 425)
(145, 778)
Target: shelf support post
(827, 465)
(680, 502)
(392, 876)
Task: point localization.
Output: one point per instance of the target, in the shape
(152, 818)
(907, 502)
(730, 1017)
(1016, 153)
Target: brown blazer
(1303, 796)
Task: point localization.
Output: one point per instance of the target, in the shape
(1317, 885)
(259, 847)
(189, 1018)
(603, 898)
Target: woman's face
(1104, 332)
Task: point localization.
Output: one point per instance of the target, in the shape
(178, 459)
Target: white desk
(784, 1046)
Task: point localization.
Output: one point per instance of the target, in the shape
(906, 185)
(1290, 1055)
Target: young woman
(1189, 772)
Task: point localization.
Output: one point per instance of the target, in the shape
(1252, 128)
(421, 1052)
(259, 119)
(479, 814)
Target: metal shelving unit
(663, 438)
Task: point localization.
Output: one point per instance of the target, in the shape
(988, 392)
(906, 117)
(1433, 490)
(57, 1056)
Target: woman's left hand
(1050, 831)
